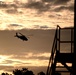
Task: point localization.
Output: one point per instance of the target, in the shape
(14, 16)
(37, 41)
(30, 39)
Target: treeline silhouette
(23, 71)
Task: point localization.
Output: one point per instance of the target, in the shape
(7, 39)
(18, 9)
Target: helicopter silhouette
(21, 36)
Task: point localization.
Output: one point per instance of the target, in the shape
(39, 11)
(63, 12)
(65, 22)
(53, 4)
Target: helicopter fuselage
(22, 37)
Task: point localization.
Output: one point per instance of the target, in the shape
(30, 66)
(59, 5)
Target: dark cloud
(61, 8)
(40, 6)
(41, 27)
(11, 11)
(51, 16)
(44, 27)
(71, 8)
(16, 25)
(3, 4)
(61, 2)
(10, 8)
(58, 14)
(47, 0)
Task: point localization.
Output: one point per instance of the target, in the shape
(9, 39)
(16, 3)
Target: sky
(36, 14)
(37, 19)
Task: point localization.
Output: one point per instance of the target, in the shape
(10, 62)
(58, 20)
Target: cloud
(11, 62)
(41, 27)
(7, 61)
(14, 26)
(49, 5)
(3, 4)
(51, 16)
(61, 8)
(10, 8)
(44, 27)
(31, 56)
(71, 8)
(6, 5)
(40, 6)
(56, 2)
(58, 14)
(61, 2)
(47, 0)
(36, 26)
(64, 5)
(11, 11)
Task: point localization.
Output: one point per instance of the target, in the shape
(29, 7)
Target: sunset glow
(5, 60)
(37, 20)
(19, 18)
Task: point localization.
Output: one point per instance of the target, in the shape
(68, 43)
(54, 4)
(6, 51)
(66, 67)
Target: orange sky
(40, 15)
(15, 53)
(31, 16)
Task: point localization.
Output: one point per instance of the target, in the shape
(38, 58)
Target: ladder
(61, 57)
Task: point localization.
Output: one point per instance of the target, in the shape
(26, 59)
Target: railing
(70, 39)
(54, 50)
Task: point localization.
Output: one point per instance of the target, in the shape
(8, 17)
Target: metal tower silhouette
(65, 58)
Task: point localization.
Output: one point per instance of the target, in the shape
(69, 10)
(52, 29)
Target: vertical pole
(71, 44)
(71, 40)
(74, 58)
(56, 37)
(74, 62)
(59, 39)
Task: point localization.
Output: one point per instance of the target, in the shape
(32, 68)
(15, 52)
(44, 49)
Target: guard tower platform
(62, 53)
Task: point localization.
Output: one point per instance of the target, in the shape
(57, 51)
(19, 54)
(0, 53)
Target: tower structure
(62, 54)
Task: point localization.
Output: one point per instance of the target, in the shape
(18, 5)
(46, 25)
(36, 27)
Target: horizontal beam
(66, 41)
(67, 28)
(62, 71)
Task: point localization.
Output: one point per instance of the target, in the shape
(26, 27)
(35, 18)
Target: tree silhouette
(41, 73)
(17, 72)
(5, 74)
(23, 71)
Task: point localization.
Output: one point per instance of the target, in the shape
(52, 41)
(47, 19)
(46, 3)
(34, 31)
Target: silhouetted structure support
(57, 56)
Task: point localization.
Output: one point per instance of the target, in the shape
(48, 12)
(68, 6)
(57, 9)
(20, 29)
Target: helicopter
(21, 36)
